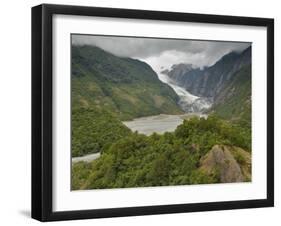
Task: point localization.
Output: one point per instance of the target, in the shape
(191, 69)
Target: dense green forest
(94, 130)
(168, 159)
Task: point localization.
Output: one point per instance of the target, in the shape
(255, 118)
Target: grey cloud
(199, 53)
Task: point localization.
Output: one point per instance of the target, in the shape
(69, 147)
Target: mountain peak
(182, 66)
(179, 69)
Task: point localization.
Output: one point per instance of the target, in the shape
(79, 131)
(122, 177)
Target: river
(86, 158)
(159, 123)
(147, 125)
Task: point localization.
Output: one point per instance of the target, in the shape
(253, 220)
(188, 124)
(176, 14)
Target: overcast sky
(162, 53)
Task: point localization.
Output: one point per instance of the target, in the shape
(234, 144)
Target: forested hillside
(127, 88)
(94, 130)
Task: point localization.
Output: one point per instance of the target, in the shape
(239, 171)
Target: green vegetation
(169, 159)
(94, 130)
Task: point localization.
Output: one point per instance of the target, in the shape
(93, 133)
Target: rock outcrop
(229, 164)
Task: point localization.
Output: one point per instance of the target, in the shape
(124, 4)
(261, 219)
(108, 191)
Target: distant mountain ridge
(209, 81)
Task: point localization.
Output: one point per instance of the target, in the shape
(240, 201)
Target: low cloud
(162, 52)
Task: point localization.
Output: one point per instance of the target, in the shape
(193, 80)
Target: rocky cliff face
(229, 164)
(234, 100)
(210, 81)
(178, 70)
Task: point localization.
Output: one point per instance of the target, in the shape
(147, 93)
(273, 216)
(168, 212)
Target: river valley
(192, 105)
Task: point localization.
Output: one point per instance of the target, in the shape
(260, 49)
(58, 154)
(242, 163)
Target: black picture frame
(42, 111)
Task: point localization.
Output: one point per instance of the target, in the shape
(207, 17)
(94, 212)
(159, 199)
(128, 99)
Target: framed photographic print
(146, 112)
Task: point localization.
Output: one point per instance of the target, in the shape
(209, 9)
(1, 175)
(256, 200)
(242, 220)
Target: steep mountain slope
(210, 81)
(127, 88)
(234, 101)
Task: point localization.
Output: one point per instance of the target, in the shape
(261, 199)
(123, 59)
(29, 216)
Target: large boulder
(228, 164)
